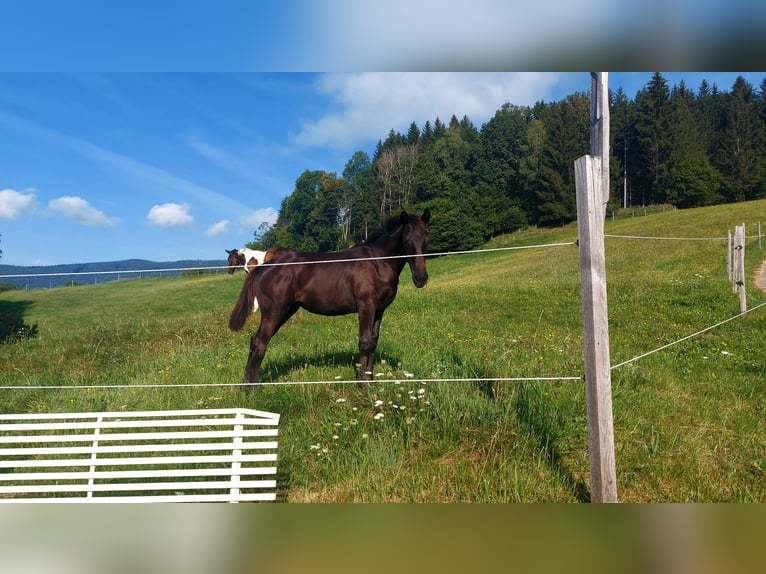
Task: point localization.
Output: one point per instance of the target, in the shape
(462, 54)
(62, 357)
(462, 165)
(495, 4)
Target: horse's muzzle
(420, 280)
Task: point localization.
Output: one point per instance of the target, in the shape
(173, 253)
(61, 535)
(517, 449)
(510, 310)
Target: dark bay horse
(362, 280)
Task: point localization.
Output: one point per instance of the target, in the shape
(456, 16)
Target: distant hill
(36, 277)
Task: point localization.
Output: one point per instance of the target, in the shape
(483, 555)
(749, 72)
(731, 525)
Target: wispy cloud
(169, 215)
(254, 164)
(81, 211)
(153, 176)
(373, 103)
(14, 203)
(217, 228)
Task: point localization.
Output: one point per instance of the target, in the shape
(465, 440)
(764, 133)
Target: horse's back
(328, 284)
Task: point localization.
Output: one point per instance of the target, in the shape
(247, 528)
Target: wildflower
(337, 378)
(314, 447)
(378, 416)
(340, 400)
(337, 424)
(421, 391)
(409, 375)
(365, 435)
(378, 403)
(335, 437)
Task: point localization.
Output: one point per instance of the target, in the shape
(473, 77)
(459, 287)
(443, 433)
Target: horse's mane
(388, 226)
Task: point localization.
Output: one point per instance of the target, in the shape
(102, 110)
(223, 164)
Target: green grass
(689, 420)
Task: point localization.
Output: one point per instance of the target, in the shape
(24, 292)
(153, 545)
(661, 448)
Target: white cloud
(373, 103)
(80, 211)
(256, 218)
(217, 228)
(14, 203)
(169, 215)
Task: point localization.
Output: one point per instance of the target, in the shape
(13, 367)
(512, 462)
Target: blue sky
(165, 166)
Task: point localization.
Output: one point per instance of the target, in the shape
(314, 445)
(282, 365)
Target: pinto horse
(246, 258)
(234, 260)
(362, 280)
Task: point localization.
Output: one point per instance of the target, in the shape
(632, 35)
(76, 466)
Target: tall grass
(689, 421)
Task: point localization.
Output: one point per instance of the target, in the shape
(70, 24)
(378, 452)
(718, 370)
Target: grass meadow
(689, 420)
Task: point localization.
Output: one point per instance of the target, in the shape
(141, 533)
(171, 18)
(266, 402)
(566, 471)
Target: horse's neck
(389, 245)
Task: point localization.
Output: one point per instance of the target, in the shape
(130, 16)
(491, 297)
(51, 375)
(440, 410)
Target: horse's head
(235, 260)
(415, 244)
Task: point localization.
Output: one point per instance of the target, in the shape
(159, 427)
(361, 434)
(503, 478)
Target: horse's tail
(244, 304)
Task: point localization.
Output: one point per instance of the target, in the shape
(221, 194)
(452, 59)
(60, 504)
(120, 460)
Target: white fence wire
(388, 381)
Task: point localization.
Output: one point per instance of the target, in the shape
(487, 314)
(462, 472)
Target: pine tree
(691, 180)
(738, 157)
(567, 128)
(623, 147)
(496, 177)
(652, 117)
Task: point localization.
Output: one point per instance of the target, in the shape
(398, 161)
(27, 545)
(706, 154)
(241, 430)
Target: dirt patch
(760, 276)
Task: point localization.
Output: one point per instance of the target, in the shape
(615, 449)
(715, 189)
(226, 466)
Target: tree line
(668, 146)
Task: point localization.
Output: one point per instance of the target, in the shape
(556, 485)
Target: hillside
(35, 277)
(688, 415)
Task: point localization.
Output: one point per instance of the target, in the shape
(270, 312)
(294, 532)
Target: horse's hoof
(249, 387)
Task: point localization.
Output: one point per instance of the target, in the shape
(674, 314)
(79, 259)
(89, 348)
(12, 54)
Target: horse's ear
(426, 217)
(404, 218)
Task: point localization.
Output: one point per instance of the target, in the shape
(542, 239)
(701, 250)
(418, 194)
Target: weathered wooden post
(592, 186)
(729, 262)
(739, 266)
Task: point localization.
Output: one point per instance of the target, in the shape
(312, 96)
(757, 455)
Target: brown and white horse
(245, 258)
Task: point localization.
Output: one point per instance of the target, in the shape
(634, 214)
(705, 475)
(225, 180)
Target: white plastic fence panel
(207, 455)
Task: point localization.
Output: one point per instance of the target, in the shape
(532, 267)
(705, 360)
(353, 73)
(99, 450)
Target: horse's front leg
(369, 331)
(258, 345)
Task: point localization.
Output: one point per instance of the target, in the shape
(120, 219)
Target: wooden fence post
(730, 262)
(739, 266)
(592, 188)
